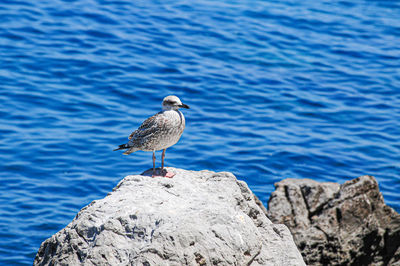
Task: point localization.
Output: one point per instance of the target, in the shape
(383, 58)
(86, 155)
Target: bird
(158, 132)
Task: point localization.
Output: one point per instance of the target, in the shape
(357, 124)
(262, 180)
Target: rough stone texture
(336, 224)
(195, 218)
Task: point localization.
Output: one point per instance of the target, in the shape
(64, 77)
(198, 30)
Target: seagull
(158, 132)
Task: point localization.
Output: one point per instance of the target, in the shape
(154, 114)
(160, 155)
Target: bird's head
(172, 102)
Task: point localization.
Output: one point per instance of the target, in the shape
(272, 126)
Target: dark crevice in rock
(218, 236)
(276, 230)
(326, 235)
(254, 256)
(318, 210)
(366, 255)
(392, 244)
(261, 205)
(80, 254)
(216, 261)
(338, 216)
(176, 195)
(253, 213)
(287, 195)
(303, 192)
(80, 235)
(155, 251)
(79, 257)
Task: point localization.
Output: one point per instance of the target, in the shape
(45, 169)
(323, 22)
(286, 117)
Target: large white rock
(195, 218)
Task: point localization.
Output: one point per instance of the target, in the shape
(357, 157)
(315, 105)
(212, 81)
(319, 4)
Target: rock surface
(336, 224)
(195, 218)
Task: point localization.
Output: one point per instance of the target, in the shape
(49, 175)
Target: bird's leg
(167, 174)
(154, 164)
(162, 160)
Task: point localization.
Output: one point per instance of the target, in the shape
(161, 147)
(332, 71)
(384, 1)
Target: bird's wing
(149, 126)
(132, 134)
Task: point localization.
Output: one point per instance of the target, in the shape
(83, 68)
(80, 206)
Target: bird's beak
(184, 106)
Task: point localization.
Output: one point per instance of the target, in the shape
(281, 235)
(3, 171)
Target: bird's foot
(162, 173)
(166, 173)
(169, 174)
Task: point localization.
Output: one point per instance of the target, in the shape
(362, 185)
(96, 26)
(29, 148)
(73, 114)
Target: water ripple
(277, 89)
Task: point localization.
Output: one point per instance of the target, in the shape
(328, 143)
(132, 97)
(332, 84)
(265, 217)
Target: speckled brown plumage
(158, 132)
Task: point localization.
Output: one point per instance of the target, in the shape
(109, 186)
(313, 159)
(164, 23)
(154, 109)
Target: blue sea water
(277, 89)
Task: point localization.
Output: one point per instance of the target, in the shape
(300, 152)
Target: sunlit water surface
(277, 89)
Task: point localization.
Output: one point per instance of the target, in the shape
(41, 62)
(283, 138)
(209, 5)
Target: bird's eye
(170, 102)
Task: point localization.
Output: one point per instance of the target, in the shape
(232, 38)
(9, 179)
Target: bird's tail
(130, 151)
(122, 147)
(126, 146)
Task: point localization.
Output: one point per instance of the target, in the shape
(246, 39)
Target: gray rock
(195, 218)
(336, 224)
